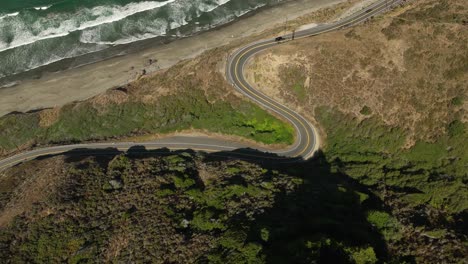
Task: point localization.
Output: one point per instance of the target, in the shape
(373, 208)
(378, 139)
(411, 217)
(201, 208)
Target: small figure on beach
(151, 61)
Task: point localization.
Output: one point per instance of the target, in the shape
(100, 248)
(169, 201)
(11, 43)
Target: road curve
(306, 142)
(306, 137)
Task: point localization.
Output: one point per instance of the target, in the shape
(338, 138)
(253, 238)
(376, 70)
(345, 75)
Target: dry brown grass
(117, 243)
(48, 116)
(28, 184)
(206, 71)
(114, 96)
(407, 67)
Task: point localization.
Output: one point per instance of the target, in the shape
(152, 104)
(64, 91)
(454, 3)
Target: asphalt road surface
(306, 137)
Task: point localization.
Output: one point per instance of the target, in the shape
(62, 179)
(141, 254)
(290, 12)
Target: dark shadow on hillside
(313, 222)
(247, 154)
(316, 221)
(79, 154)
(323, 213)
(250, 155)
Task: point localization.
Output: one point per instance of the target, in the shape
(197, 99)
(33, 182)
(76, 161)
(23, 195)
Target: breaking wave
(37, 36)
(9, 15)
(61, 25)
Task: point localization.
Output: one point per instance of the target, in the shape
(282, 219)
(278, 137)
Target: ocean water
(35, 33)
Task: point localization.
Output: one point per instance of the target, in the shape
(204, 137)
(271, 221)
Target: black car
(279, 39)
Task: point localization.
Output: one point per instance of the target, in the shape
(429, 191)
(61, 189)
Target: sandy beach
(57, 89)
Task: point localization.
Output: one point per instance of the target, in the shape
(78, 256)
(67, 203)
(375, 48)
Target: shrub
(366, 110)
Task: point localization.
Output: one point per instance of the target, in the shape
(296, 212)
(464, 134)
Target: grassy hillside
(85, 122)
(184, 208)
(191, 94)
(407, 68)
(389, 186)
(390, 96)
(163, 103)
(187, 207)
(394, 108)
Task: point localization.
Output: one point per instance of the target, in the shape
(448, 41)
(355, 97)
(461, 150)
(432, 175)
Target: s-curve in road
(306, 142)
(306, 137)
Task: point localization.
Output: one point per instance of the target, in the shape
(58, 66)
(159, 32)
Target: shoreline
(54, 89)
(112, 51)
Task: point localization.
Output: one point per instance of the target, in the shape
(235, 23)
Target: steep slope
(390, 96)
(389, 186)
(183, 208)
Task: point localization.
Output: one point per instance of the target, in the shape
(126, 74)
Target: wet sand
(57, 89)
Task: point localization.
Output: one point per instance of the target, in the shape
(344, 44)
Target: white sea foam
(241, 13)
(9, 15)
(72, 53)
(222, 2)
(96, 26)
(178, 16)
(149, 28)
(210, 7)
(42, 7)
(103, 14)
(8, 85)
(158, 27)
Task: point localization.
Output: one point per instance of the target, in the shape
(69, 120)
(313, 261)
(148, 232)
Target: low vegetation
(207, 209)
(394, 115)
(389, 186)
(424, 186)
(410, 73)
(86, 122)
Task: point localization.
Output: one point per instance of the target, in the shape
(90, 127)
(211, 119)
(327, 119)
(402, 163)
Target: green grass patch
(183, 182)
(206, 220)
(357, 141)
(83, 122)
(366, 110)
(300, 91)
(372, 153)
(18, 129)
(437, 233)
(456, 128)
(233, 170)
(386, 224)
(457, 101)
(363, 255)
(294, 77)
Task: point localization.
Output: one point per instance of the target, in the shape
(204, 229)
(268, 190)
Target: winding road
(306, 137)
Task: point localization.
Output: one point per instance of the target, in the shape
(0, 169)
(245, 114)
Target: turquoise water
(35, 33)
